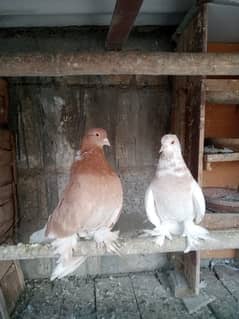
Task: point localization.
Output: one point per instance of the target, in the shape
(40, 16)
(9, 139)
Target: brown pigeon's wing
(198, 202)
(87, 203)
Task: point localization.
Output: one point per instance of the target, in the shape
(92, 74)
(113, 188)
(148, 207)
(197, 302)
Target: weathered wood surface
(49, 136)
(215, 221)
(225, 157)
(222, 91)
(89, 63)
(127, 296)
(188, 120)
(221, 239)
(124, 15)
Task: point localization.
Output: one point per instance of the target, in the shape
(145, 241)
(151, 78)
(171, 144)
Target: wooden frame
(113, 63)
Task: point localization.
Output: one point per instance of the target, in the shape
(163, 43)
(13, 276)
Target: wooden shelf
(222, 91)
(214, 158)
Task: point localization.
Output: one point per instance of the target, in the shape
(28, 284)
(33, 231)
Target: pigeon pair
(92, 200)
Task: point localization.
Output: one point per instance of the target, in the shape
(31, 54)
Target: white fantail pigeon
(89, 207)
(174, 201)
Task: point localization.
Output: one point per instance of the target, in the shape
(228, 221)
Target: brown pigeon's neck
(89, 148)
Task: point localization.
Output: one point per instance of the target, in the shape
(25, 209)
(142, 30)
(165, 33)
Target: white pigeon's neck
(170, 162)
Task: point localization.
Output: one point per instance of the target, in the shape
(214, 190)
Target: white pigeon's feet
(194, 234)
(161, 232)
(108, 239)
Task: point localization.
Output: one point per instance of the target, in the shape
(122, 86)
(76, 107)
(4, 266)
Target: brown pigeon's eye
(97, 134)
(172, 142)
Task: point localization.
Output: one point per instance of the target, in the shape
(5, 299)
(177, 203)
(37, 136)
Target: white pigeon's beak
(106, 142)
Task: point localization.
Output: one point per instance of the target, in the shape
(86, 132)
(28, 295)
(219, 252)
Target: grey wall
(50, 116)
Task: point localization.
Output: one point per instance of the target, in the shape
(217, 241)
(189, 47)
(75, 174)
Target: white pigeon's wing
(198, 202)
(150, 207)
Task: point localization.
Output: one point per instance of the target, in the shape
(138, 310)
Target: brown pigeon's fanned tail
(65, 267)
(66, 262)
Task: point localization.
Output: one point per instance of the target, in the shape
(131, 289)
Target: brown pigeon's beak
(106, 142)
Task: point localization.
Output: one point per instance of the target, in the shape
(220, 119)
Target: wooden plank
(115, 298)
(79, 299)
(228, 275)
(6, 175)
(189, 108)
(222, 91)
(11, 287)
(5, 157)
(6, 193)
(218, 254)
(225, 305)
(104, 63)
(5, 139)
(191, 271)
(3, 307)
(124, 15)
(215, 221)
(225, 157)
(222, 239)
(3, 102)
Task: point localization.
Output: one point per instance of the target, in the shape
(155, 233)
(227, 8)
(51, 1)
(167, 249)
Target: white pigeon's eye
(172, 142)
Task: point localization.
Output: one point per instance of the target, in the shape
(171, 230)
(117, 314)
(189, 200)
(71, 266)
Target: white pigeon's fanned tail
(66, 262)
(38, 237)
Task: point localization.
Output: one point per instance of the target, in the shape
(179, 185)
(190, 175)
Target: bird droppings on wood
(135, 295)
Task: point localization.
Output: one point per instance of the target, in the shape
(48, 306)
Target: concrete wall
(50, 116)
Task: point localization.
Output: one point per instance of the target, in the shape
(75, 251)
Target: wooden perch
(221, 239)
(119, 63)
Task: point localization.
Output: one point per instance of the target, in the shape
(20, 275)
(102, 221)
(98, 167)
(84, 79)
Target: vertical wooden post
(188, 120)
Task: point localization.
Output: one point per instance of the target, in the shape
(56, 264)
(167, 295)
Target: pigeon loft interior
(57, 82)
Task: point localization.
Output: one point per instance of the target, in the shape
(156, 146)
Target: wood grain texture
(119, 63)
(222, 239)
(188, 123)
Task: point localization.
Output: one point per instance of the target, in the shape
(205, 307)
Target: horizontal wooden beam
(222, 91)
(221, 239)
(109, 63)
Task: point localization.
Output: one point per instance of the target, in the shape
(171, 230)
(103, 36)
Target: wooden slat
(5, 140)
(215, 221)
(222, 91)
(5, 157)
(89, 63)
(6, 175)
(6, 193)
(225, 157)
(123, 18)
(189, 109)
(222, 239)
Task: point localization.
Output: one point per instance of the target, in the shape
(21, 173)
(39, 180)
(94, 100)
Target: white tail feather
(66, 263)
(65, 267)
(38, 237)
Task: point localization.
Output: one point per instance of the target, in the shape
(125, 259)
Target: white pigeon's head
(170, 145)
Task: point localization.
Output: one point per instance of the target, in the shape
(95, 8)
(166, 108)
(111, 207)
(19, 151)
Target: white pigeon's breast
(173, 197)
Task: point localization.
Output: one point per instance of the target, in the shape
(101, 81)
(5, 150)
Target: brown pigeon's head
(95, 137)
(170, 145)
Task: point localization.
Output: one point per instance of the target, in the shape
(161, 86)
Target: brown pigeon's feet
(108, 239)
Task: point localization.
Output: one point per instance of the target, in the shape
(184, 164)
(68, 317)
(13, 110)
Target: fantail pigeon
(174, 201)
(89, 207)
